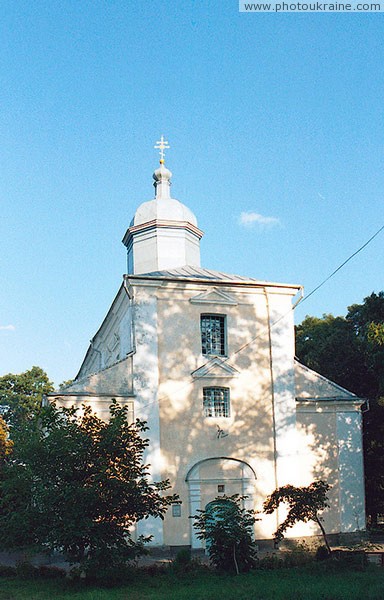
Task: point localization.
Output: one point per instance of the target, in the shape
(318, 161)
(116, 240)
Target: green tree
(368, 323)
(21, 395)
(5, 443)
(77, 484)
(350, 351)
(65, 383)
(329, 346)
(304, 504)
(227, 529)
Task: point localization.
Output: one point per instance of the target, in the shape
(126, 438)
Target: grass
(314, 582)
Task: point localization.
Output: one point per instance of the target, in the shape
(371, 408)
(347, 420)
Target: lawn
(304, 583)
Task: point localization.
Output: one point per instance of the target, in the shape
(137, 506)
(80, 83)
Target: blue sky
(276, 130)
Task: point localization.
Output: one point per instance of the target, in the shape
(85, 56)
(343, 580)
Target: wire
(226, 359)
(341, 266)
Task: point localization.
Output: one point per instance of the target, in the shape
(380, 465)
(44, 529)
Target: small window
(176, 510)
(221, 489)
(213, 334)
(216, 402)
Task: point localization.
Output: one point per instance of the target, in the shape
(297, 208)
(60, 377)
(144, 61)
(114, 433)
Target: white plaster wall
(144, 252)
(351, 471)
(145, 383)
(187, 436)
(176, 248)
(164, 248)
(126, 333)
(282, 349)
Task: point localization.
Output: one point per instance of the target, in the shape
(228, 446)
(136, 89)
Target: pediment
(214, 296)
(215, 369)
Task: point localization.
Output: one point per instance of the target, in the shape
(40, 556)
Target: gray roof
(198, 273)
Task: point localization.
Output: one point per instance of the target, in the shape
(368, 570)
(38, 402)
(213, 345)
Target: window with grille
(216, 402)
(176, 510)
(213, 334)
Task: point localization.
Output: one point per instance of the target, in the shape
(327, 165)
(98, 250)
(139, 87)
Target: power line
(304, 298)
(340, 266)
(227, 358)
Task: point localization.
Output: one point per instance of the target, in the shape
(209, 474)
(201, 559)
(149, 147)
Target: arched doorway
(212, 477)
(216, 512)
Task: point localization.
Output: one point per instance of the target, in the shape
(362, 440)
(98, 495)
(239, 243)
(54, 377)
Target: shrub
(26, 570)
(182, 561)
(322, 553)
(227, 529)
(270, 562)
(7, 571)
(51, 572)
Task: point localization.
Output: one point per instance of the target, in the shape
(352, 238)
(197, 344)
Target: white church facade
(207, 359)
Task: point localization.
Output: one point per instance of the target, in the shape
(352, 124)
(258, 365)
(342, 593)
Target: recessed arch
(196, 466)
(215, 475)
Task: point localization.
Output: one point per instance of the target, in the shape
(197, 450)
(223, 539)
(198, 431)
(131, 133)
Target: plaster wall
(334, 446)
(312, 385)
(186, 436)
(155, 249)
(99, 404)
(165, 372)
(319, 451)
(146, 388)
(113, 381)
(113, 341)
(282, 364)
(351, 471)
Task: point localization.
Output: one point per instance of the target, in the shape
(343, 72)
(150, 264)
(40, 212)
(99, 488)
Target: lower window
(216, 402)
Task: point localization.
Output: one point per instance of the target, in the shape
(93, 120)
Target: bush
(154, 570)
(270, 562)
(285, 560)
(26, 570)
(182, 561)
(76, 482)
(51, 572)
(227, 529)
(322, 553)
(6, 571)
(355, 559)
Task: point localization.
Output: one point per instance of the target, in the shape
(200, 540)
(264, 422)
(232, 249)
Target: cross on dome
(162, 145)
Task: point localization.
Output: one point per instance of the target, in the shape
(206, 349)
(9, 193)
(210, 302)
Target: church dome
(163, 233)
(162, 173)
(167, 209)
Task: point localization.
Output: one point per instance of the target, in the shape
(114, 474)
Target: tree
(329, 346)
(5, 443)
(77, 484)
(21, 395)
(65, 384)
(305, 503)
(367, 320)
(227, 528)
(350, 351)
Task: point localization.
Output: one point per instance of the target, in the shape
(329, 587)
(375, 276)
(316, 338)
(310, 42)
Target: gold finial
(161, 146)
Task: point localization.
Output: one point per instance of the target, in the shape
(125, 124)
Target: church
(207, 359)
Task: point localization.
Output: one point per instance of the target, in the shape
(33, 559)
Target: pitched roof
(189, 273)
(311, 386)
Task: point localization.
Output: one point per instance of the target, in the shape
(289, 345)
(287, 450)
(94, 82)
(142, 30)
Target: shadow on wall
(249, 432)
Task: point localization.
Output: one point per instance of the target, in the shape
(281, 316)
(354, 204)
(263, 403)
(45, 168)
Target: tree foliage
(227, 529)
(21, 395)
(77, 484)
(304, 504)
(350, 351)
(5, 443)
